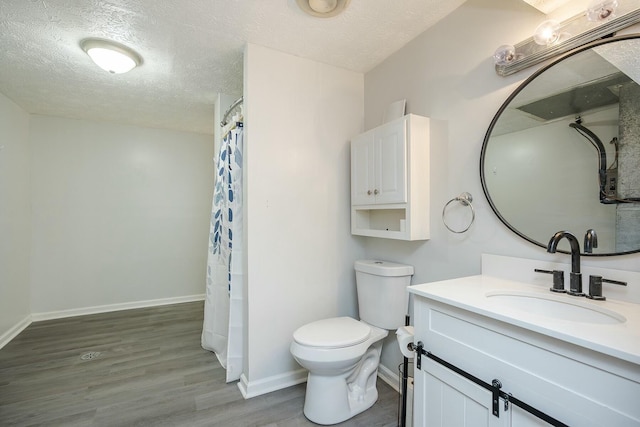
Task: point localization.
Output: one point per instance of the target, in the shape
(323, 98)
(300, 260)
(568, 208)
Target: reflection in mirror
(563, 152)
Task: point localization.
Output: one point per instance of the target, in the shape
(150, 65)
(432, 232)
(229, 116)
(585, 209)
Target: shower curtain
(222, 326)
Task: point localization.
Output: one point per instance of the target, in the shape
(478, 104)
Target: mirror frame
(503, 107)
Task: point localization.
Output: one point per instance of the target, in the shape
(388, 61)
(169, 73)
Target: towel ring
(465, 199)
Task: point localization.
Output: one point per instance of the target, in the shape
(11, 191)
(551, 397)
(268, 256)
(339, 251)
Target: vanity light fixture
(602, 18)
(111, 56)
(323, 8)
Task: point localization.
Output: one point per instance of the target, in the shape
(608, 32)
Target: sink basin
(557, 307)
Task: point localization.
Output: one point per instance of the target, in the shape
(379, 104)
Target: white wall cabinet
(390, 180)
(575, 385)
(379, 164)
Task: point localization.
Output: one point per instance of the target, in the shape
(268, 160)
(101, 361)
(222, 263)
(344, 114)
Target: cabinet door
(362, 169)
(521, 418)
(391, 162)
(444, 398)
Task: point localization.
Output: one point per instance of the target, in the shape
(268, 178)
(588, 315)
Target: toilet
(342, 354)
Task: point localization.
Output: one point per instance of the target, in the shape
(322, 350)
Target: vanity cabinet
(390, 180)
(575, 385)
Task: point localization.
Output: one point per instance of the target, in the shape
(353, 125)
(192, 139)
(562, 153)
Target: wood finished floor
(151, 372)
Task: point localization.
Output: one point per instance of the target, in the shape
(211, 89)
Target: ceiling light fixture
(602, 18)
(322, 8)
(111, 56)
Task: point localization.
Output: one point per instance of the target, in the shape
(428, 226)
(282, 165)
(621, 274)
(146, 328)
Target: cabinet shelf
(380, 222)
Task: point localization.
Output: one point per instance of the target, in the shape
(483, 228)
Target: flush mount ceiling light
(322, 8)
(111, 56)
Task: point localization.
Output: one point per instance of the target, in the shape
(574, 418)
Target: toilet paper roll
(405, 337)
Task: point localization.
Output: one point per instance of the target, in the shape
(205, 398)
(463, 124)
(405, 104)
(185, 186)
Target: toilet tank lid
(383, 268)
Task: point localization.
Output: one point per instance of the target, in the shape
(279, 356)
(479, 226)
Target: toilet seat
(337, 332)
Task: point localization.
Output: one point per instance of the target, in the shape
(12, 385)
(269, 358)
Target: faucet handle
(595, 287)
(558, 279)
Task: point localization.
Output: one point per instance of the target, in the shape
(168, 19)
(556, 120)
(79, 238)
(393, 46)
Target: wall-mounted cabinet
(390, 180)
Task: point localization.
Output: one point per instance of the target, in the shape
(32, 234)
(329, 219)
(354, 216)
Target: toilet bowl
(342, 354)
(342, 372)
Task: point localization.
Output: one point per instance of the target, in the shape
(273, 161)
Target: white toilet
(342, 354)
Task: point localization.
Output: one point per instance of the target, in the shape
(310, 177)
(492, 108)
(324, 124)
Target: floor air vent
(90, 355)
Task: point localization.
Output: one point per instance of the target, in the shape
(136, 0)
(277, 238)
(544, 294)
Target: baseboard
(269, 384)
(37, 317)
(277, 382)
(390, 377)
(14, 331)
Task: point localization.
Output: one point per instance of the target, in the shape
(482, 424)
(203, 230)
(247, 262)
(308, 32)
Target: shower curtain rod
(229, 110)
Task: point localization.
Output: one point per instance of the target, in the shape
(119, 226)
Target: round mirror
(563, 151)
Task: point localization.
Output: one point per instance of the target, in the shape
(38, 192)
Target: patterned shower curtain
(222, 327)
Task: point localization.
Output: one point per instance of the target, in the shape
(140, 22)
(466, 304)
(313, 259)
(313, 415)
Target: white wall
(120, 215)
(15, 216)
(447, 73)
(300, 116)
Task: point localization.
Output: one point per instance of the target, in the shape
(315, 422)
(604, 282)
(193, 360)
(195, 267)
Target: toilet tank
(382, 292)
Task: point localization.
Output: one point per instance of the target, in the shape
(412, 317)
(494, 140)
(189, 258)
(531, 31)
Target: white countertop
(617, 339)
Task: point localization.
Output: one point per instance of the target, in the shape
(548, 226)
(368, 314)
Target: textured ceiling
(192, 49)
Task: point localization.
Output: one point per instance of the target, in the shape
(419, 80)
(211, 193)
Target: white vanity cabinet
(572, 383)
(390, 180)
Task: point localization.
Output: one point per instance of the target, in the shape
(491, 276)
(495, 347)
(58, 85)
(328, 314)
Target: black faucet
(575, 278)
(590, 241)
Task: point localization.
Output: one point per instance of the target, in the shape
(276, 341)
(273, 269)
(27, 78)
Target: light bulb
(600, 10)
(546, 33)
(504, 54)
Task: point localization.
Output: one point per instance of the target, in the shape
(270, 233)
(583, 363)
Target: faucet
(590, 241)
(575, 278)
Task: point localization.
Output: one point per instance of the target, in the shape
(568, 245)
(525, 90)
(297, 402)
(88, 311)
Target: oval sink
(555, 307)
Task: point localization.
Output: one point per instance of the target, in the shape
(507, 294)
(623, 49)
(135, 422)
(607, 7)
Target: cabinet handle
(375, 192)
(368, 192)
